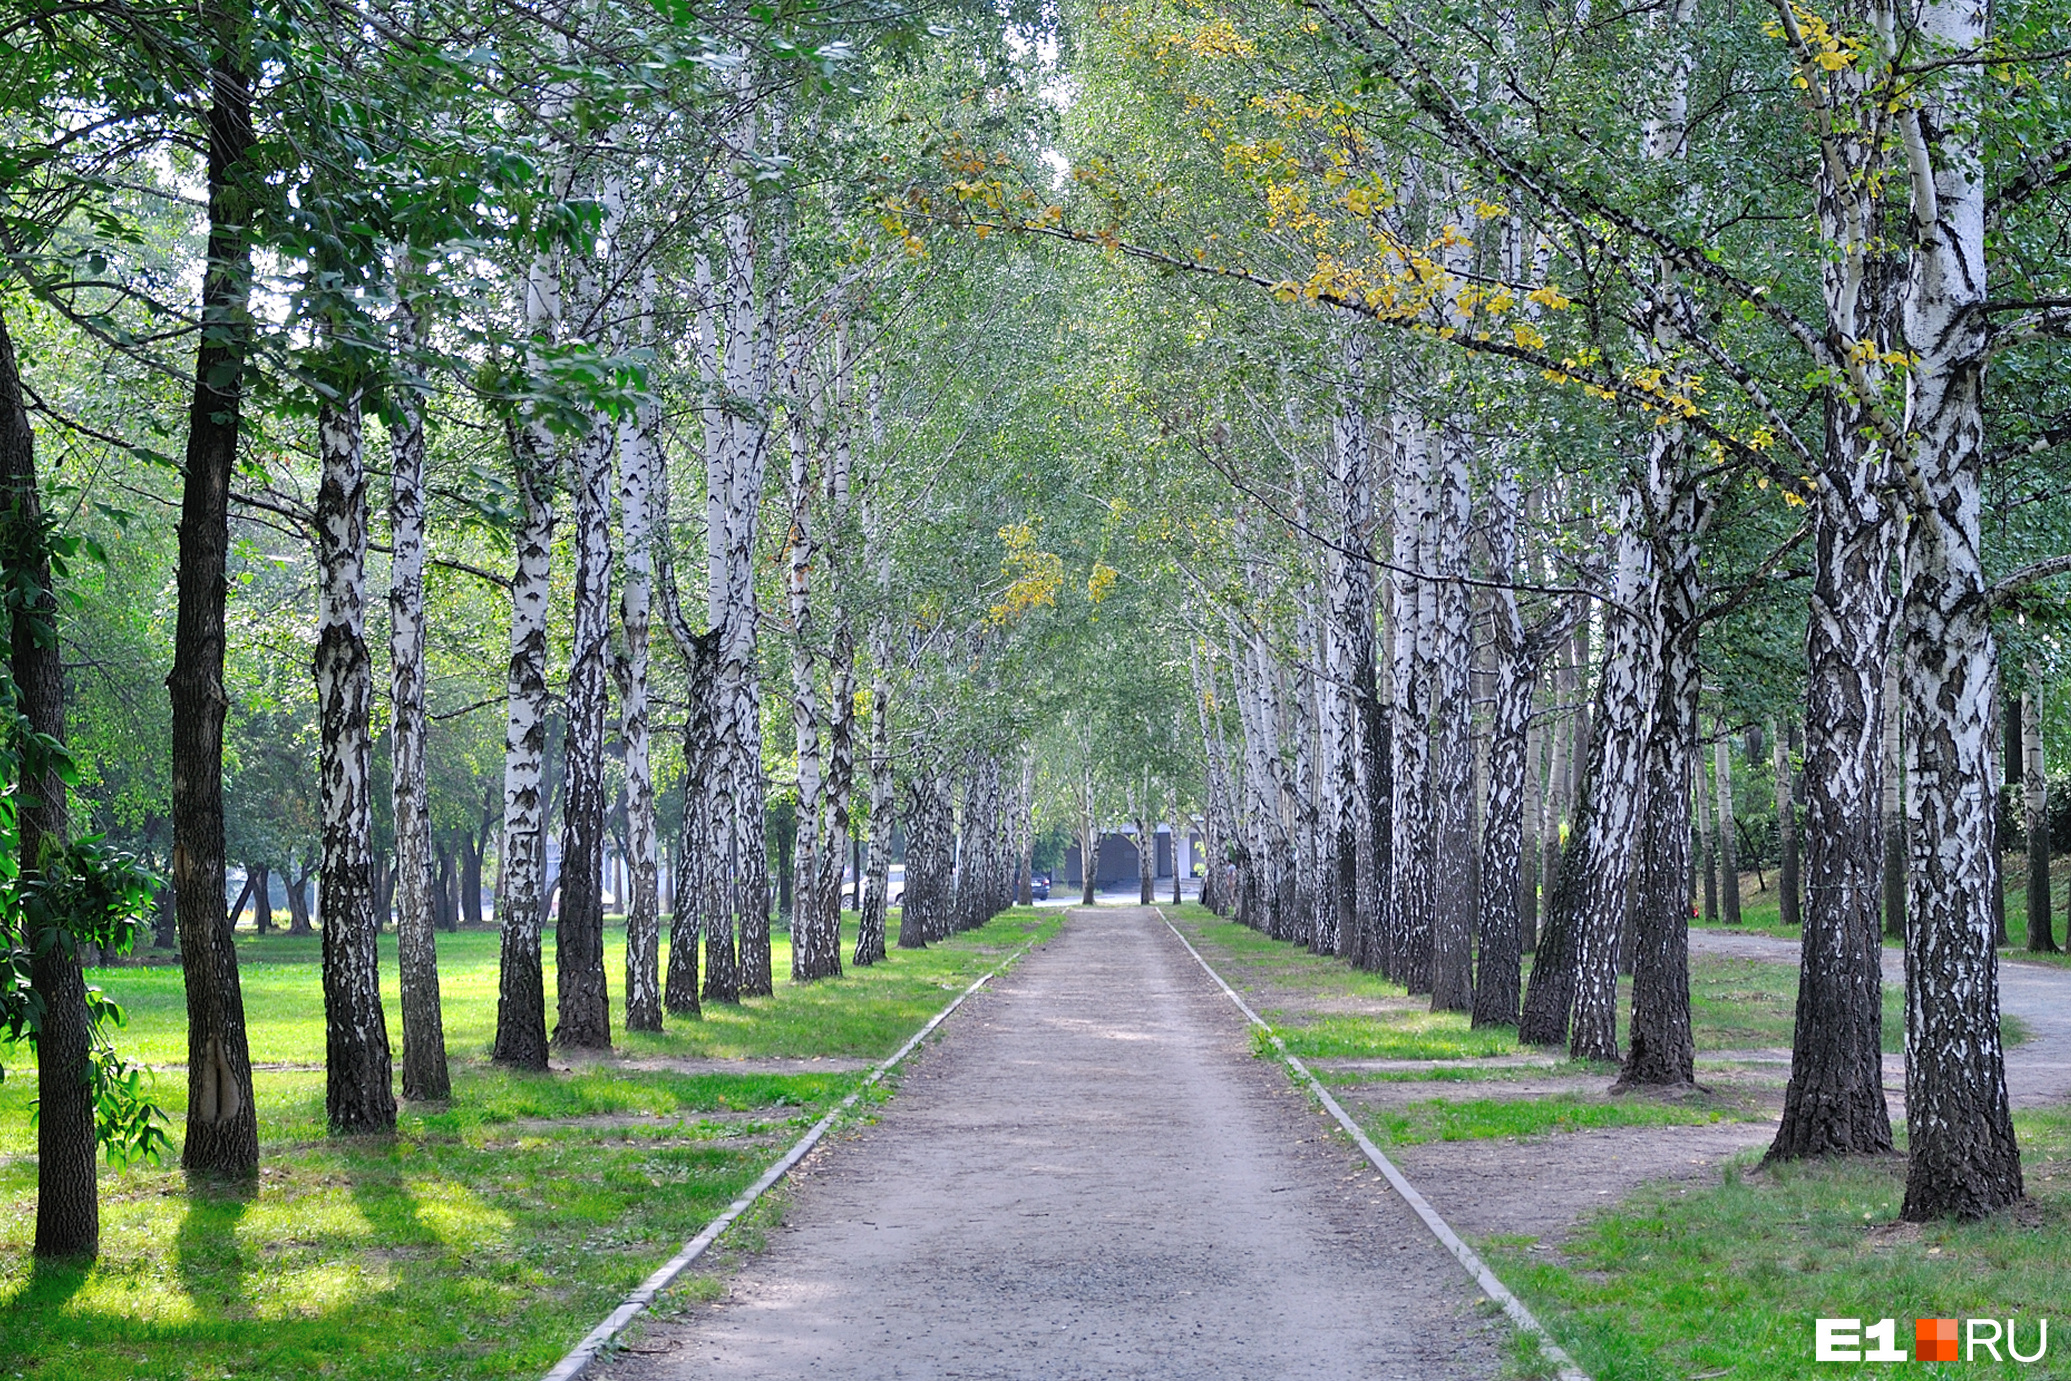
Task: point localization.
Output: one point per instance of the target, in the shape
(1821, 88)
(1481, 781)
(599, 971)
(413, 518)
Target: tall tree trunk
(1407, 945)
(1611, 814)
(521, 1025)
(1661, 1050)
(1146, 855)
(581, 985)
(1452, 779)
(1577, 952)
(424, 1035)
(1834, 1103)
(870, 929)
(222, 1129)
(1729, 846)
(1498, 972)
(815, 944)
(1963, 1159)
(68, 1206)
(636, 448)
(2041, 928)
(521, 1034)
(358, 1096)
(1559, 774)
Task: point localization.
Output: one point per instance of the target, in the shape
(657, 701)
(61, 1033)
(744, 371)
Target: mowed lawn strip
(486, 1236)
(1306, 997)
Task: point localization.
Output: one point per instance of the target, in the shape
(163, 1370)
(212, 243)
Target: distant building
(1118, 858)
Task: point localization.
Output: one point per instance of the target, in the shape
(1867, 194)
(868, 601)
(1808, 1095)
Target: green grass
(1401, 1035)
(481, 1240)
(1483, 1119)
(1725, 1281)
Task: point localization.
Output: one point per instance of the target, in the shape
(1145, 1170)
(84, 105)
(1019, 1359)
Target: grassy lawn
(1725, 1281)
(481, 1240)
(1485, 1118)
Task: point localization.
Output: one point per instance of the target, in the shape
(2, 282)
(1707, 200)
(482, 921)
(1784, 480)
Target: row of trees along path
(1446, 467)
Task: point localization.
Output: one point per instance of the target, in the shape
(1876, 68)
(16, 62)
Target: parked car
(1039, 887)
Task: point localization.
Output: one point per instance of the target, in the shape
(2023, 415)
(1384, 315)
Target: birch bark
(637, 480)
(357, 1092)
(1576, 966)
(584, 995)
(521, 1027)
(1410, 897)
(424, 1036)
(1963, 1160)
(1451, 790)
(1729, 843)
(1497, 974)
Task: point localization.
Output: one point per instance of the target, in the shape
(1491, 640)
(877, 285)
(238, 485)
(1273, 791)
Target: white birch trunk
(357, 1093)
(637, 479)
(1962, 1158)
(424, 1039)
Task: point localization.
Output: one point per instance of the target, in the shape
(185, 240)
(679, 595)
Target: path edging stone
(578, 1359)
(1513, 1307)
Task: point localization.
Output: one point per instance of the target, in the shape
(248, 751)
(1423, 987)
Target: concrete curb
(585, 1352)
(1495, 1289)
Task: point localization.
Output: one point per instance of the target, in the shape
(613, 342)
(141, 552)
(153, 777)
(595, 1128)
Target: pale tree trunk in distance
(1146, 852)
(2040, 928)
(1729, 845)
(424, 1034)
(870, 932)
(1348, 650)
(636, 447)
(1707, 839)
(841, 651)
(1575, 970)
(809, 951)
(1409, 898)
(1499, 924)
(1786, 823)
(357, 1092)
(1453, 767)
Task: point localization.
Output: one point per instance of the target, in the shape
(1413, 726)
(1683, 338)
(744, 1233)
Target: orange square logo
(1934, 1340)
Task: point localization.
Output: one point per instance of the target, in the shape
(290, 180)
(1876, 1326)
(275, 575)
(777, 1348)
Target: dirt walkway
(1090, 1177)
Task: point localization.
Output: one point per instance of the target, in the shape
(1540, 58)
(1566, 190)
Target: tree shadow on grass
(389, 1206)
(206, 1255)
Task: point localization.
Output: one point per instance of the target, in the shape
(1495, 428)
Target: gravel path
(1090, 1176)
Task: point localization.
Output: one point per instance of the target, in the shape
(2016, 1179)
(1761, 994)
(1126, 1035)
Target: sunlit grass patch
(1483, 1119)
(1397, 1035)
